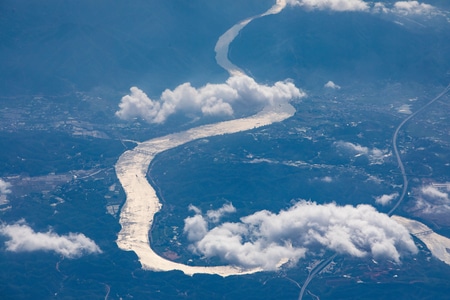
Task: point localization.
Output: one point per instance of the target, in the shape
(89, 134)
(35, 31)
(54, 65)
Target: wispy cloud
(412, 8)
(375, 155)
(433, 202)
(385, 199)
(337, 5)
(404, 8)
(327, 179)
(265, 239)
(22, 238)
(216, 215)
(407, 8)
(433, 192)
(209, 100)
(405, 109)
(5, 189)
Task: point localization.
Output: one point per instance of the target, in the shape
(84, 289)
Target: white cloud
(209, 100)
(375, 155)
(22, 238)
(327, 179)
(216, 215)
(332, 85)
(405, 109)
(412, 8)
(337, 5)
(386, 199)
(196, 227)
(400, 7)
(195, 209)
(407, 8)
(264, 239)
(379, 8)
(353, 147)
(5, 189)
(434, 192)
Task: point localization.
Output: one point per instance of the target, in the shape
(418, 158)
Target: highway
(313, 272)
(325, 263)
(397, 154)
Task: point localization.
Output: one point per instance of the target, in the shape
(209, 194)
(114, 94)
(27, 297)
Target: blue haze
(74, 60)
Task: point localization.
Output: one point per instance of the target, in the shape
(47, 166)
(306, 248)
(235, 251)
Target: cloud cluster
(5, 189)
(337, 5)
(386, 199)
(22, 238)
(209, 100)
(265, 239)
(375, 155)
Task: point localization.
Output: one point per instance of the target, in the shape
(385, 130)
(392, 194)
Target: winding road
(397, 154)
(401, 220)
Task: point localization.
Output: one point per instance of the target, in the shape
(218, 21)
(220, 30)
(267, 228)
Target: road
(314, 272)
(397, 154)
(325, 263)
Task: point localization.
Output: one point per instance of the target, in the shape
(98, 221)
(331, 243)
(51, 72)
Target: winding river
(142, 203)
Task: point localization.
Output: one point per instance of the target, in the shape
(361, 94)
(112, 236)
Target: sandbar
(438, 245)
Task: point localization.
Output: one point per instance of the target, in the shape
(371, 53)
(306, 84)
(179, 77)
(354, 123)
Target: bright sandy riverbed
(142, 203)
(438, 245)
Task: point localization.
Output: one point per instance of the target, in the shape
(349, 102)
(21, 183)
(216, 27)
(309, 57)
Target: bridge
(422, 233)
(145, 152)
